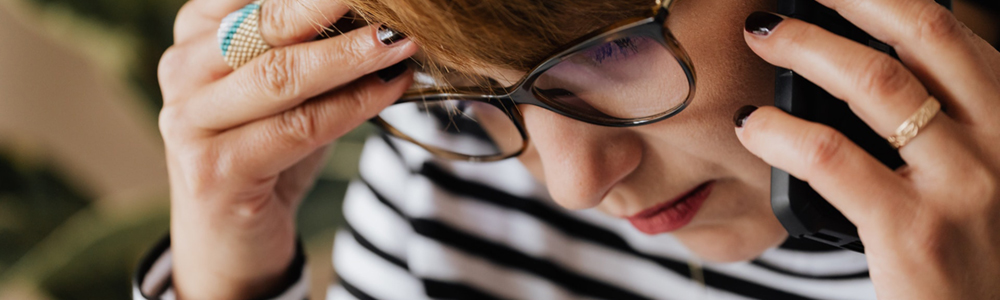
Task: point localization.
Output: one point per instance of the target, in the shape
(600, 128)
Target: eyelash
(616, 49)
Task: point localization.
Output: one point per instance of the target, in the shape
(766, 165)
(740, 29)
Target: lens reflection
(468, 128)
(629, 78)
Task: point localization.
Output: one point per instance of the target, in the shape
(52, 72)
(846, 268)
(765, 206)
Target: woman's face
(639, 173)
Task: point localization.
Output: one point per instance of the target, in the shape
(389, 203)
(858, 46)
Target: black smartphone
(802, 211)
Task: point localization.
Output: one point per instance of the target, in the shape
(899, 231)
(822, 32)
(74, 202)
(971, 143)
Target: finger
(202, 53)
(197, 17)
(218, 9)
(287, 22)
(274, 144)
(879, 89)
(282, 23)
(849, 178)
(932, 43)
(284, 77)
(191, 65)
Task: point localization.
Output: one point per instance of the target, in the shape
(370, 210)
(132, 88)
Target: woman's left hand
(932, 228)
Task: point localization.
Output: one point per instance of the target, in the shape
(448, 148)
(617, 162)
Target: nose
(581, 162)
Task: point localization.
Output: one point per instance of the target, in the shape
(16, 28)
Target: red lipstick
(674, 214)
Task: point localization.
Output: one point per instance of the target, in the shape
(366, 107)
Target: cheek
(738, 224)
(730, 76)
(727, 69)
(533, 162)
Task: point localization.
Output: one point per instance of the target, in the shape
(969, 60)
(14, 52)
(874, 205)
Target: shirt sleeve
(152, 279)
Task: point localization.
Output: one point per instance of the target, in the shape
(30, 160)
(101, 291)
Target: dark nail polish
(390, 73)
(762, 23)
(388, 36)
(742, 114)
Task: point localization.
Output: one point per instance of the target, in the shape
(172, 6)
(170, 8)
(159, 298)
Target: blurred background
(83, 189)
(83, 185)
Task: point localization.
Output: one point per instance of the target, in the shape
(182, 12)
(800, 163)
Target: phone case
(802, 211)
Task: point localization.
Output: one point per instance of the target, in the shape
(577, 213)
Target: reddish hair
(514, 34)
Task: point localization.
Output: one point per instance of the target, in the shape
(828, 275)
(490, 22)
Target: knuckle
(188, 16)
(205, 167)
(201, 163)
(275, 23)
(169, 121)
(822, 148)
(299, 125)
(275, 72)
(359, 99)
(883, 77)
(188, 8)
(171, 61)
(936, 23)
(186, 11)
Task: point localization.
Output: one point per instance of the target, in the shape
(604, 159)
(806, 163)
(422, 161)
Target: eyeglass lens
(626, 79)
(470, 128)
(629, 78)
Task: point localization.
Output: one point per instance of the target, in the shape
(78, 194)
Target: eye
(614, 50)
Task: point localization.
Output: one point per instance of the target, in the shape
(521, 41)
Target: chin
(726, 244)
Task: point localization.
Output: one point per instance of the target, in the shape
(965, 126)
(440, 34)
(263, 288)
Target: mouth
(673, 214)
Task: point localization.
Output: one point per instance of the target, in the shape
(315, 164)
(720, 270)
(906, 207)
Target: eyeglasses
(627, 74)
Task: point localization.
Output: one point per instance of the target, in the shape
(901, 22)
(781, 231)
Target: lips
(674, 214)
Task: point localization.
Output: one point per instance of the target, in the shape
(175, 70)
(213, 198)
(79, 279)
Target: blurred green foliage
(54, 238)
(33, 201)
(50, 234)
(149, 22)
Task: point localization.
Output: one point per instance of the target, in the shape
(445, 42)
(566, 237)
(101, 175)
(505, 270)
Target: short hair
(514, 34)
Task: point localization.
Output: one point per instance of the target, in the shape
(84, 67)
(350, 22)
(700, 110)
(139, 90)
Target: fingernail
(762, 23)
(388, 36)
(390, 73)
(742, 114)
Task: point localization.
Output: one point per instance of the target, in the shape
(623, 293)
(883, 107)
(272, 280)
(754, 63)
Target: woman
(244, 144)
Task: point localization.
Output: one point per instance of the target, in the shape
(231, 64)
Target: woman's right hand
(244, 145)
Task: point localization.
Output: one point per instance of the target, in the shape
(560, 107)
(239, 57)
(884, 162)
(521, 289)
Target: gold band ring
(911, 127)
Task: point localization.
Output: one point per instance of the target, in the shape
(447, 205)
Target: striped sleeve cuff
(152, 279)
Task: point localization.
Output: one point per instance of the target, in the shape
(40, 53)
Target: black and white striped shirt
(424, 228)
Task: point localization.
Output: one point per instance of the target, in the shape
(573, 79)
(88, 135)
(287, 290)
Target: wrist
(219, 256)
(260, 279)
(152, 279)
